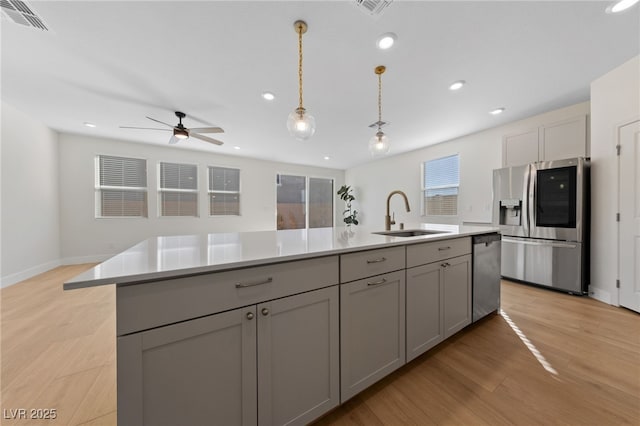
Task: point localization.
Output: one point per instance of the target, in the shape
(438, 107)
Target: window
(224, 191)
(121, 187)
(178, 189)
(320, 203)
(296, 205)
(441, 180)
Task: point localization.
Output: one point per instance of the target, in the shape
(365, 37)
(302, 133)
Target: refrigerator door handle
(525, 201)
(539, 242)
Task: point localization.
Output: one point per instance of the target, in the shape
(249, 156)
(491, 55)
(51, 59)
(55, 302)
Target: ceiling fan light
(180, 133)
(301, 125)
(379, 144)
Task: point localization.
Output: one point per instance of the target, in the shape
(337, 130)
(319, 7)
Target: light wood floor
(58, 351)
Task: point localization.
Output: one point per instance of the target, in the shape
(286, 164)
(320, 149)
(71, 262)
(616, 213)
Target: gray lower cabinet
(298, 357)
(438, 303)
(274, 363)
(372, 330)
(425, 310)
(178, 374)
(456, 279)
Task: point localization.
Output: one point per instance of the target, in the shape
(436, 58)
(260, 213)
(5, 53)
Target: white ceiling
(113, 63)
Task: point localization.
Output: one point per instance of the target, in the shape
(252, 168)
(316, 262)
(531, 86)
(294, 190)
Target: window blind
(122, 187)
(440, 186)
(178, 189)
(224, 191)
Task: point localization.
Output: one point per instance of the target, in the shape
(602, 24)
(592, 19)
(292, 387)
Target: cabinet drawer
(355, 266)
(421, 254)
(149, 305)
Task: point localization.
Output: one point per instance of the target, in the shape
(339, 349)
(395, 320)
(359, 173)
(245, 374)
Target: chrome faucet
(387, 219)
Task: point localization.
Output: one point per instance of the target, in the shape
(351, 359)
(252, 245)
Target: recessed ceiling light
(386, 40)
(620, 6)
(326, 157)
(86, 123)
(268, 96)
(236, 147)
(457, 85)
(497, 111)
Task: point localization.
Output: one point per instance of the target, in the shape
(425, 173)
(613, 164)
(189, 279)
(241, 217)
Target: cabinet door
(372, 330)
(456, 277)
(564, 139)
(298, 357)
(425, 327)
(519, 149)
(197, 372)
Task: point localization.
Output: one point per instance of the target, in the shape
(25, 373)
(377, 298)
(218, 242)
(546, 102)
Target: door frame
(617, 139)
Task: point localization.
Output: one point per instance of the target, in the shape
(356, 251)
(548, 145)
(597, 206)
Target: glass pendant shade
(301, 125)
(379, 144)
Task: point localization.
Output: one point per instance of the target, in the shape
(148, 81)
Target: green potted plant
(345, 193)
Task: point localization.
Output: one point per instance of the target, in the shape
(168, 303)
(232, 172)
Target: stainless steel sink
(409, 232)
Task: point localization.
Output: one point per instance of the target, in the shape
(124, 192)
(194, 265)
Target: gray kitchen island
(277, 327)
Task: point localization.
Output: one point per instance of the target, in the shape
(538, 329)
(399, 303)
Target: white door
(630, 216)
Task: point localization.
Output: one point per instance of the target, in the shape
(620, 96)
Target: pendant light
(301, 124)
(379, 143)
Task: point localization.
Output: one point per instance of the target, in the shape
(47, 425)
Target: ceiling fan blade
(205, 138)
(173, 140)
(207, 130)
(161, 122)
(144, 128)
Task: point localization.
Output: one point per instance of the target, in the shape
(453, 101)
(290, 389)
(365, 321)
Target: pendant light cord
(300, 65)
(379, 100)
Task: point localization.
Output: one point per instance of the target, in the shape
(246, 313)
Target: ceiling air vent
(21, 13)
(373, 7)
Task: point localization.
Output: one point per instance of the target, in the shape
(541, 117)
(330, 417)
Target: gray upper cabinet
(372, 330)
(551, 141)
(520, 148)
(564, 139)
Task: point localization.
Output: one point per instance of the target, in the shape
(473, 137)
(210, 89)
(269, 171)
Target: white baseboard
(28, 273)
(96, 258)
(16, 277)
(601, 295)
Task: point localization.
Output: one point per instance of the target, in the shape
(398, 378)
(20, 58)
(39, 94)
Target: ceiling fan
(181, 132)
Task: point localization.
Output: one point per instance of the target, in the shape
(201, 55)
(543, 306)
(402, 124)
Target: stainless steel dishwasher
(486, 274)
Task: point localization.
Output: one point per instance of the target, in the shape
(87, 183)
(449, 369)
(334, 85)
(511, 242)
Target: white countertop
(175, 256)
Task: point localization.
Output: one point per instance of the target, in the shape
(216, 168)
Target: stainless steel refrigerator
(543, 213)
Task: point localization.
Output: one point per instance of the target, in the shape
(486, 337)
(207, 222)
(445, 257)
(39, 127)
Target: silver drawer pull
(243, 285)
(382, 281)
(443, 248)
(445, 265)
(382, 259)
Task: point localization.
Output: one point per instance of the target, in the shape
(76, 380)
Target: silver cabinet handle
(382, 259)
(265, 311)
(243, 285)
(443, 248)
(382, 281)
(445, 265)
(249, 315)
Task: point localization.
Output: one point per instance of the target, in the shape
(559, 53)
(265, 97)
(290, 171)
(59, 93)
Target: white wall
(480, 153)
(615, 100)
(87, 238)
(29, 207)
